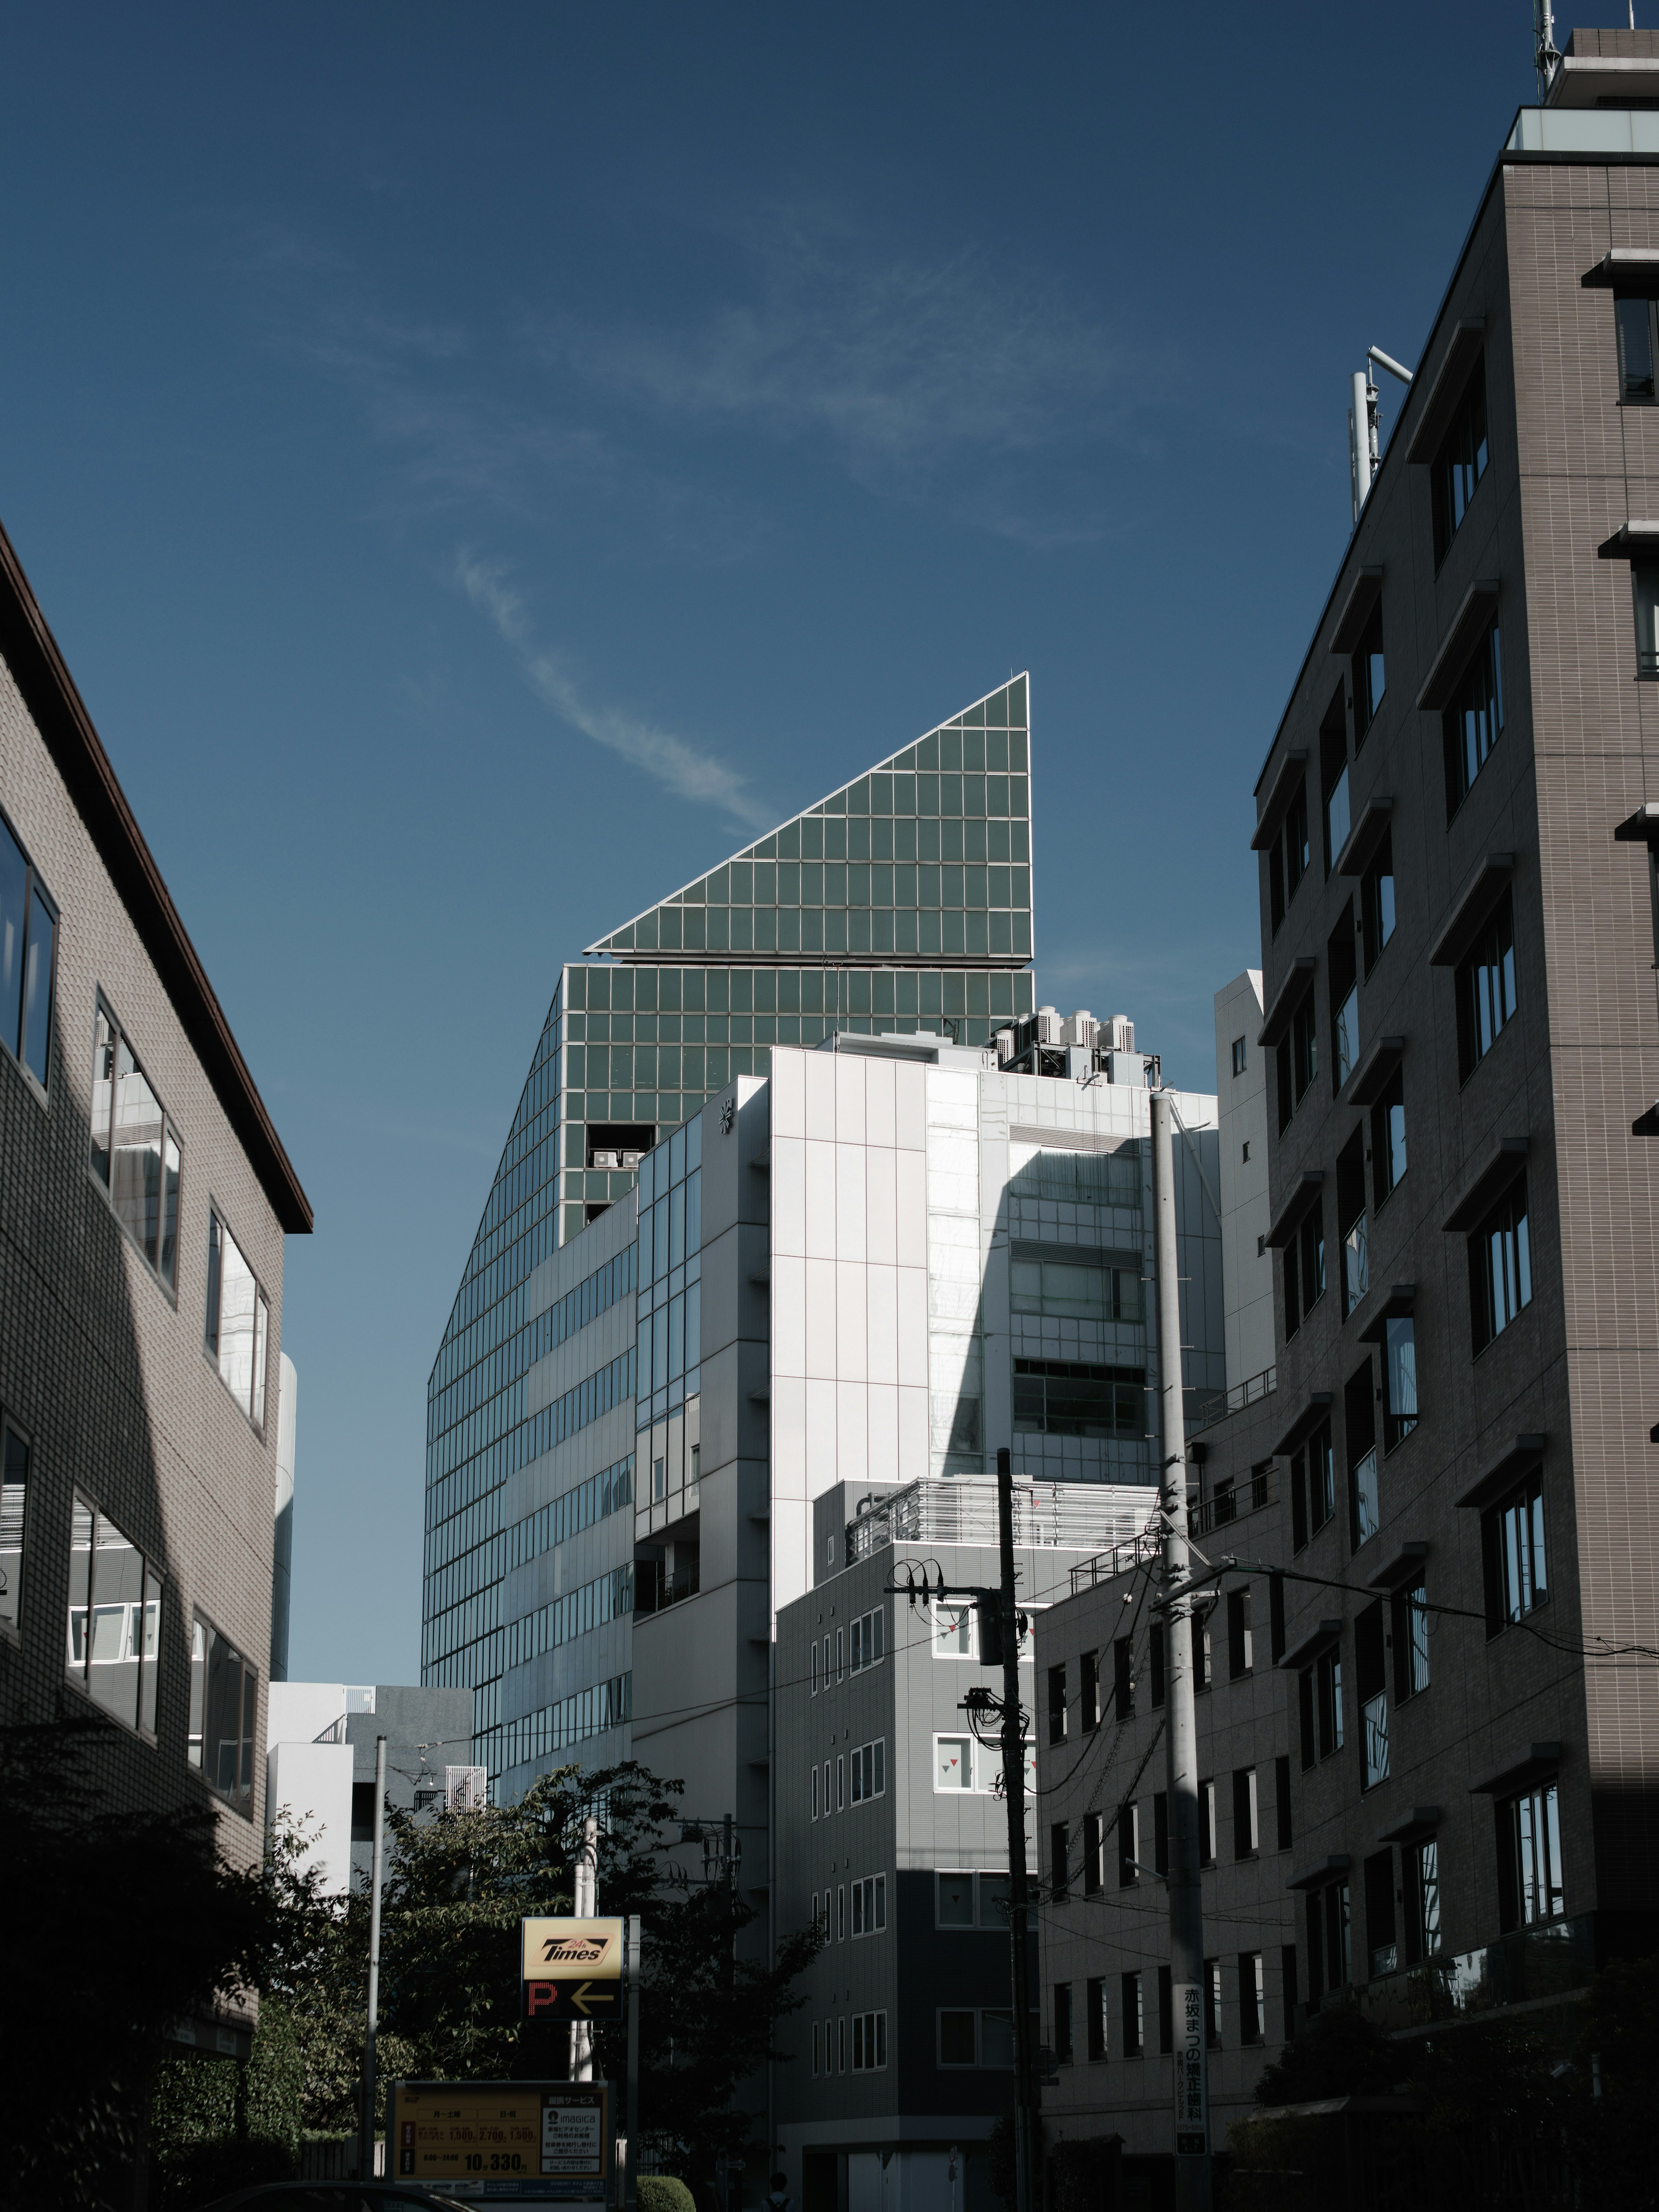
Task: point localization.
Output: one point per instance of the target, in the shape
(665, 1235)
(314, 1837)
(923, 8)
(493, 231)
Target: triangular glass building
(901, 901)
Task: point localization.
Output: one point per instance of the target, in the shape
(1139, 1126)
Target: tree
(1342, 2053)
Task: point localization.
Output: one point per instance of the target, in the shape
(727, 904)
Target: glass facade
(900, 902)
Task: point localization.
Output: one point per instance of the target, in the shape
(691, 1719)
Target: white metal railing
(1068, 1517)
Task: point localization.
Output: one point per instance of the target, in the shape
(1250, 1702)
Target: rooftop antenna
(1364, 450)
(1547, 59)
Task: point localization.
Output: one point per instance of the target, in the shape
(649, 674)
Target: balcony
(655, 1590)
(1547, 1961)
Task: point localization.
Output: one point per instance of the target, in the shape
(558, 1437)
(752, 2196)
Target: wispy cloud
(686, 771)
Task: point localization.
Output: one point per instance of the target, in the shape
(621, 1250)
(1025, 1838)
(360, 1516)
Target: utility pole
(366, 2128)
(1028, 2194)
(1192, 2096)
(630, 2191)
(584, 1903)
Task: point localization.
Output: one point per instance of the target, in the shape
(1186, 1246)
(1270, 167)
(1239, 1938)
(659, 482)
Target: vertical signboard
(571, 1969)
(1191, 2101)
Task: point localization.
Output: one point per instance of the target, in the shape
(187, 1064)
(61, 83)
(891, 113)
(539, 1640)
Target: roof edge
(59, 713)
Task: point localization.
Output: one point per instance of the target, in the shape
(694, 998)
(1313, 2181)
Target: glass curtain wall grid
(900, 902)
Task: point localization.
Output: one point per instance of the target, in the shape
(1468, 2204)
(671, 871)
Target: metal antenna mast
(1547, 60)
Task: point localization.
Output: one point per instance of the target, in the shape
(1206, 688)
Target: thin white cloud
(684, 770)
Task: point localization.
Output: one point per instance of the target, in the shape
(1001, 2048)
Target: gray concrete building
(144, 1198)
(320, 1764)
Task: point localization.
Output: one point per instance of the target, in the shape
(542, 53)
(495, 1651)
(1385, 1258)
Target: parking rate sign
(572, 1969)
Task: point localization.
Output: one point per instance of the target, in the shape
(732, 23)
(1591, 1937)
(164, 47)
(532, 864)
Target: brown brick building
(144, 1196)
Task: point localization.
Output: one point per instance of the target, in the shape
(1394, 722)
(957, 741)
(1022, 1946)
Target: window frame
(17, 1046)
(1378, 912)
(149, 1660)
(1369, 658)
(1622, 304)
(118, 1038)
(1503, 1556)
(1479, 692)
(1471, 419)
(11, 1431)
(201, 1626)
(1506, 1219)
(213, 1324)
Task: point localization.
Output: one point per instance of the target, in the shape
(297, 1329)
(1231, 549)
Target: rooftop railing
(1066, 1517)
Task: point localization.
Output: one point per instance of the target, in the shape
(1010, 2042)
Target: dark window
(134, 1148)
(1123, 1680)
(1325, 1676)
(1313, 1485)
(1288, 1987)
(1239, 1055)
(1247, 1829)
(1305, 1267)
(1342, 975)
(1410, 1631)
(1644, 586)
(955, 2039)
(1305, 1046)
(1213, 2004)
(1155, 1663)
(1094, 2025)
(1206, 1835)
(362, 1812)
(1380, 1941)
(1635, 349)
(1351, 1224)
(1333, 1902)
(1240, 1644)
(29, 941)
(1389, 1139)
(1288, 856)
(1500, 1266)
(238, 1322)
(1166, 2012)
(1334, 780)
(1089, 1691)
(1282, 1798)
(1252, 1998)
(1420, 1863)
(1530, 1884)
(224, 1697)
(1517, 1568)
(1474, 722)
(1161, 1832)
(114, 1615)
(1485, 987)
(1128, 1846)
(1399, 1380)
(1068, 1398)
(1460, 463)
(1094, 1853)
(1368, 678)
(1372, 1686)
(1134, 2016)
(1063, 2022)
(1059, 1836)
(1275, 1618)
(1360, 1428)
(1200, 1628)
(1376, 901)
(1057, 1704)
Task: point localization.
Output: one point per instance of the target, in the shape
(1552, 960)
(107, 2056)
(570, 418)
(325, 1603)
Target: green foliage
(122, 1924)
(663, 2192)
(216, 2124)
(1342, 2054)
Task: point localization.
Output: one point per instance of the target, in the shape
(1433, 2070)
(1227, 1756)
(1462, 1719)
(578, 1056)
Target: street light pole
(366, 2126)
(1028, 2195)
(1192, 2112)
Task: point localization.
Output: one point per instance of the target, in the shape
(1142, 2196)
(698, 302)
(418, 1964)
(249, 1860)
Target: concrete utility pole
(1027, 2124)
(1192, 2094)
(366, 2131)
(584, 1904)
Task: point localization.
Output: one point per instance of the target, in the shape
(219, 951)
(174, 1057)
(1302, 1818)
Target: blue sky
(481, 465)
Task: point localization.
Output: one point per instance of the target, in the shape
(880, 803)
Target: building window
(1070, 1398)
(840, 1913)
(1517, 1573)
(1057, 1703)
(1420, 1863)
(134, 1148)
(1252, 1998)
(1474, 722)
(1241, 1641)
(1352, 1225)
(1288, 856)
(1369, 677)
(1134, 2016)
(114, 1616)
(829, 1801)
(1128, 1846)
(28, 944)
(841, 2043)
(1500, 1266)
(1376, 901)
(1359, 1425)
(1530, 1886)
(870, 1905)
(1063, 2022)
(1320, 1688)
(1333, 782)
(1388, 1139)
(1304, 1047)
(867, 1636)
(1329, 1960)
(224, 1698)
(869, 1765)
(1247, 1830)
(1342, 980)
(953, 1632)
(1200, 1627)
(869, 2042)
(1399, 1380)
(1067, 1289)
(1089, 1692)
(1282, 1801)
(238, 1321)
(1381, 1944)
(1635, 320)
(1094, 1854)
(955, 1900)
(976, 2039)
(1094, 2020)
(817, 2048)
(1460, 463)
(815, 1790)
(1486, 988)
(1239, 1058)
(1207, 1824)
(812, 1656)
(841, 1781)
(14, 1502)
(1371, 1683)
(1644, 587)
(1305, 1267)
(1313, 1485)
(1410, 1640)
(1059, 1841)
(957, 2043)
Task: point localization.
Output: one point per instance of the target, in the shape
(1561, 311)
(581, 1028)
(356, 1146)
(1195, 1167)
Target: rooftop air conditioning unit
(631, 1159)
(1003, 1039)
(1081, 1028)
(603, 1159)
(1120, 1034)
(1048, 1025)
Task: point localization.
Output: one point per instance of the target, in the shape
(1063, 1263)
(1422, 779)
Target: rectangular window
(840, 1913)
(953, 1632)
(1213, 2004)
(869, 1768)
(870, 1905)
(1460, 463)
(815, 1790)
(1399, 1380)
(1128, 1846)
(1328, 1701)
(993, 1902)
(1388, 1139)
(1531, 1887)
(28, 944)
(134, 1148)
(1359, 1423)
(1517, 1570)
(1252, 1998)
(1134, 2016)
(1634, 319)
(1247, 1827)
(953, 1762)
(1353, 1222)
(841, 1781)
(1207, 1824)
(1057, 1703)
(1073, 1398)
(1382, 1944)
(841, 1653)
(1060, 1840)
(1474, 722)
(828, 1800)
(1369, 675)
(1094, 1854)
(866, 1638)
(1421, 1864)
(1305, 1267)
(1075, 1290)
(1201, 1651)
(840, 2044)
(1376, 901)
(1644, 587)
(1307, 1737)
(812, 1654)
(1063, 2022)
(1332, 1903)
(1288, 856)
(114, 1617)
(1240, 1059)
(869, 2042)
(238, 1321)
(1410, 1640)
(1282, 1799)
(14, 1502)
(1089, 1691)
(224, 1699)
(817, 2048)
(1241, 1641)
(1486, 988)
(958, 2043)
(1304, 1047)
(954, 1904)
(1371, 1682)
(1094, 2004)
(1500, 1266)
(1333, 781)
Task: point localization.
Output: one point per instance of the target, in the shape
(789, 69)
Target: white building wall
(311, 1784)
(1248, 1269)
